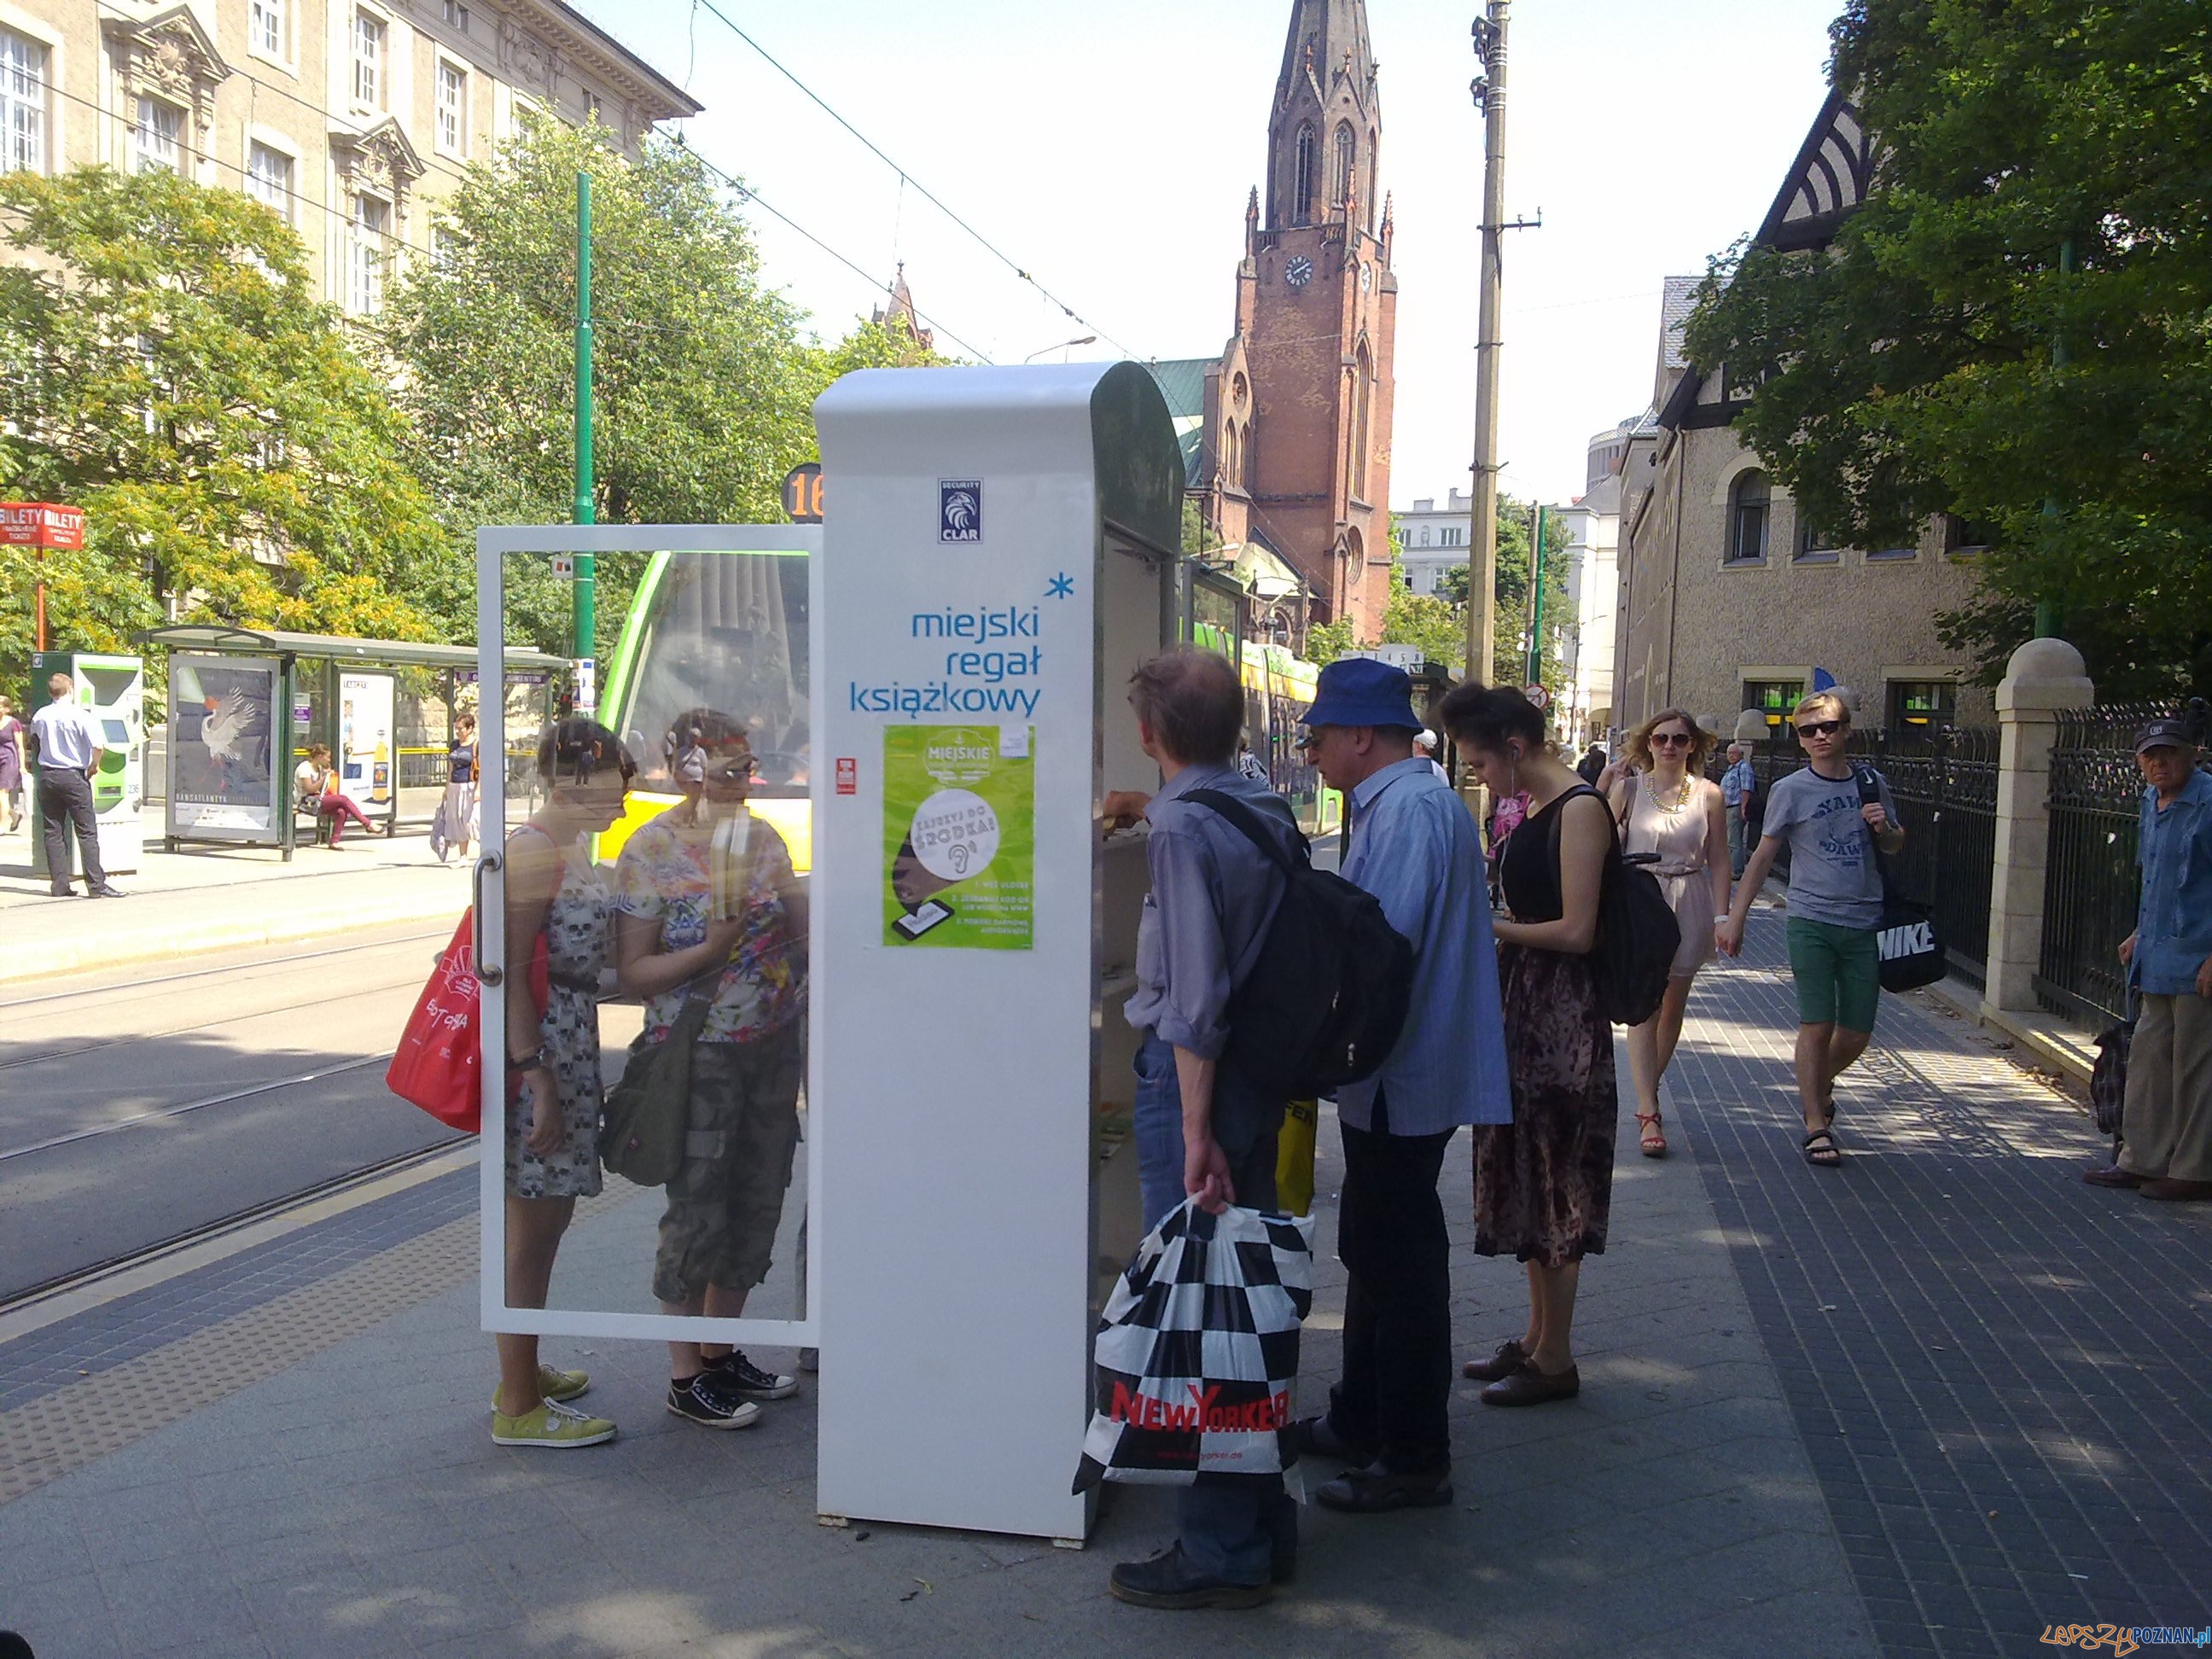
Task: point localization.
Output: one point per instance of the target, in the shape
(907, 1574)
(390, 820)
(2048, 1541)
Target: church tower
(1317, 308)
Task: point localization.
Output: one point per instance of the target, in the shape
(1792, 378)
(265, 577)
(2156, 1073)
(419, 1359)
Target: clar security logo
(959, 509)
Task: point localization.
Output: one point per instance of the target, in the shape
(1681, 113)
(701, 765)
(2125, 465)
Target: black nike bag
(1323, 1002)
(1909, 941)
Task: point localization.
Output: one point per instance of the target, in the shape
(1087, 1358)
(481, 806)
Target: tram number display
(802, 493)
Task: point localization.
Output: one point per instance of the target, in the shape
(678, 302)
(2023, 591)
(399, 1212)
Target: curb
(2056, 1044)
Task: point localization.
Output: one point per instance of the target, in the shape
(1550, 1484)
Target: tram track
(127, 990)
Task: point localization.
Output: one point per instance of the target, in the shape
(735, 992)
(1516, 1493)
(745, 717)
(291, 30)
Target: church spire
(1326, 125)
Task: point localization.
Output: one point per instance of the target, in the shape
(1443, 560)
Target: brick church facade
(1288, 434)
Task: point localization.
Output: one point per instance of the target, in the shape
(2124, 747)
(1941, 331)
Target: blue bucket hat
(1360, 691)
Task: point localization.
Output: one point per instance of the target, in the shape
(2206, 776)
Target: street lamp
(1062, 345)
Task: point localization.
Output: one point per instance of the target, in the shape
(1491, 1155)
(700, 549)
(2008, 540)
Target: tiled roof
(1682, 298)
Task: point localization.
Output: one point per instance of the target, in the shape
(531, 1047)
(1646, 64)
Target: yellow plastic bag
(1294, 1157)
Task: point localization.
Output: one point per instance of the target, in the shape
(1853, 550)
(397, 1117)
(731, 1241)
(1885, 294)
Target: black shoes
(1168, 1581)
(105, 892)
(711, 1402)
(745, 1378)
(1377, 1489)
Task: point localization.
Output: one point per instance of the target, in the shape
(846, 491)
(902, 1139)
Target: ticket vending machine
(113, 689)
(999, 556)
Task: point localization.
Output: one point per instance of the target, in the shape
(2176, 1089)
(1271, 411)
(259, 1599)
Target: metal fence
(2090, 884)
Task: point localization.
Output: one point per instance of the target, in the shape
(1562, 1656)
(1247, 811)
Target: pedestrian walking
(70, 746)
(2165, 1124)
(1667, 807)
(457, 826)
(12, 766)
(1415, 850)
(1592, 765)
(1543, 1183)
(1739, 785)
(1835, 906)
(1202, 1128)
(708, 898)
(553, 888)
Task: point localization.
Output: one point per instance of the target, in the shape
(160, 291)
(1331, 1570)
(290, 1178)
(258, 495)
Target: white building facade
(1432, 540)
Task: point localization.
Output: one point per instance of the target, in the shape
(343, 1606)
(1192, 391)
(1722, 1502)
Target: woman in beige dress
(1667, 805)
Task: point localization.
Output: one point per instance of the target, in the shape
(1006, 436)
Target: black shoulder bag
(1910, 941)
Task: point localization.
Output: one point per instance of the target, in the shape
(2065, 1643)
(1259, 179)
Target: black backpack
(1637, 932)
(1324, 999)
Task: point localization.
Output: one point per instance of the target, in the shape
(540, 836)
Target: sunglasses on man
(1821, 729)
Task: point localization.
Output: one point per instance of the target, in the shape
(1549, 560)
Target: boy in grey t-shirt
(1835, 906)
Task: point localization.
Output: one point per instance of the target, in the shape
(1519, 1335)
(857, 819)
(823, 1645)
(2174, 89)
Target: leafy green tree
(1509, 633)
(165, 366)
(702, 382)
(2046, 182)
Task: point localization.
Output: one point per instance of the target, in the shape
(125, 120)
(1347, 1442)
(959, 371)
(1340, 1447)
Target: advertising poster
(959, 836)
(222, 747)
(366, 767)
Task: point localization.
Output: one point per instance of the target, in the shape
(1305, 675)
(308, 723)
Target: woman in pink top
(1666, 805)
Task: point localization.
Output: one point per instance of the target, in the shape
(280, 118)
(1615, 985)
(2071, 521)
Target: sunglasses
(1821, 729)
(1670, 738)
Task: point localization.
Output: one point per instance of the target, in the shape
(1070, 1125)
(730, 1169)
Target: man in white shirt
(70, 748)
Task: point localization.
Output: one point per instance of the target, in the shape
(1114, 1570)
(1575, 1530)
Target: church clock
(1299, 271)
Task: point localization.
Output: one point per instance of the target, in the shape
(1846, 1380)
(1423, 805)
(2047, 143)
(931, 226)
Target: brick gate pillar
(2044, 676)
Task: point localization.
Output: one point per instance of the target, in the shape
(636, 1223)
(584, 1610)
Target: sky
(1108, 151)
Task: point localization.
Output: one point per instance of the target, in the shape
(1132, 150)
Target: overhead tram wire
(920, 188)
(746, 192)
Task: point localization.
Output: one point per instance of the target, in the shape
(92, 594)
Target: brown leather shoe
(1530, 1387)
(2176, 1192)
(1508, 1359)
(2113, 1176)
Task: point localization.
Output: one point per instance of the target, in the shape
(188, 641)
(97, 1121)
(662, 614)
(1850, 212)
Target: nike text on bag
(1198, 1350)
(1323, 1001)
(1638, 935)
(1908, 942)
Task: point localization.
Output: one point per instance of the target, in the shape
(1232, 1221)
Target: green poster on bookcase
(959, 836)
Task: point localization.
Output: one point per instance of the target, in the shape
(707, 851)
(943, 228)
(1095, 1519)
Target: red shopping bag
(439, 1060)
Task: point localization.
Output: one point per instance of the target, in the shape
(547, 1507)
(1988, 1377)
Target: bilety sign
(41, 524)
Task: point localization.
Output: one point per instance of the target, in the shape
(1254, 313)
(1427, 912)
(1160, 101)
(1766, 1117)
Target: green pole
(2048, 617)
(1536, 619)
(586, 619)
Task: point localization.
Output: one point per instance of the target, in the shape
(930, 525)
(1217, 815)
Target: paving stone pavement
(1802, 1392)
(2000, 1374)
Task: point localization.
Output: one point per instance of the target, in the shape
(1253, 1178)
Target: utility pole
(586, 597)
(1489, 90)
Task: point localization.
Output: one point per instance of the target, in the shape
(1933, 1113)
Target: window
(1921, 705)
(22, 103)
(1814, 544)
(1750, 499)
(367, 60)
(1340, 189)
(155, 141)
(453, 109)
(1888, 553)
(457, 16)
(1452, 536)
(1301, 183)
(1967, 536)
(264, 28)
(1775, 699)
(371, 225)
(445, 248)
(269, 179)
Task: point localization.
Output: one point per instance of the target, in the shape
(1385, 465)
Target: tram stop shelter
(305, 685)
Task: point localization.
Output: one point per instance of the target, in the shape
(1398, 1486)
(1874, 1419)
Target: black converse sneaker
(748, 1379)
(711, 1402)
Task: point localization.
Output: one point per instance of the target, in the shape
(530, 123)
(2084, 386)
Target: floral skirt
(1543, 1183)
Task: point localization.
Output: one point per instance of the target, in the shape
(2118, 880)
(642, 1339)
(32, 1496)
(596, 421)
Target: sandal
(1654, 1143)
(1823, 1157)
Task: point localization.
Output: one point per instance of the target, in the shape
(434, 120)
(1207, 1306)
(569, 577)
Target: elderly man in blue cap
(1413, 846)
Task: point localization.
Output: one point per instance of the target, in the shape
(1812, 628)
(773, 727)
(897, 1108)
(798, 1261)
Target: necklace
(1681, 795)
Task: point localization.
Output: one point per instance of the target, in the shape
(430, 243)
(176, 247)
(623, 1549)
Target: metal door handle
(486, 975)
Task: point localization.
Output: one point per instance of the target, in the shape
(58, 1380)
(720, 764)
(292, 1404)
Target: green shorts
(1839, 974)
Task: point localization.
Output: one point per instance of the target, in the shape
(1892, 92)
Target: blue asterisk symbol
(1063, 587)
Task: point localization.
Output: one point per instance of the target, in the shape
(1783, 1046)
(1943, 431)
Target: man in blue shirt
(2166, 1126)
(1415, 847)
(1201, 1128)
(70, 746)
(1738, 785)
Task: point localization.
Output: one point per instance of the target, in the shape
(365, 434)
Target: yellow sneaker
(558, 1386)
(552, 1426)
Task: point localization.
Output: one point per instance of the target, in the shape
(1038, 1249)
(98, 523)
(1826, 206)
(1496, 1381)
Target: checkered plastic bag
(1198, 1350)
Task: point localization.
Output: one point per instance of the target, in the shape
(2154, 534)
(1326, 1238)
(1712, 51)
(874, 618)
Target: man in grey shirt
(70, 748)
(1835, 906)
(1202, 1129)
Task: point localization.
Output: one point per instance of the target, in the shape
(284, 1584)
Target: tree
(165, 366)
(2045, 180)
(702, 383)
(1510, 632)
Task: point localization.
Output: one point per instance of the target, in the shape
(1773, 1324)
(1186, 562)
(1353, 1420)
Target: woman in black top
(1543, 1183)
(457, 825)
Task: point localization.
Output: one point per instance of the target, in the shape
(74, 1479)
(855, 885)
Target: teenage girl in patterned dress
(552, 1128)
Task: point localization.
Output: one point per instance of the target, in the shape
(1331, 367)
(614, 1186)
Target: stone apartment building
(1729, 599)
(1432, 540)
(349, 117)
